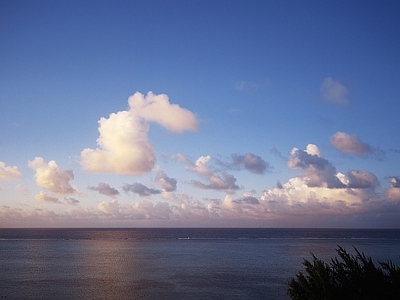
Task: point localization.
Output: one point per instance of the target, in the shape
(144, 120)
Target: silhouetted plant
(350, 277)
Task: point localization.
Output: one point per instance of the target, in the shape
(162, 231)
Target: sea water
(171, 263)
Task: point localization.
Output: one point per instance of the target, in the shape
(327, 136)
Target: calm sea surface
(171, 263)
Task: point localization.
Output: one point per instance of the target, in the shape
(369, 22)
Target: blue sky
(200, 113)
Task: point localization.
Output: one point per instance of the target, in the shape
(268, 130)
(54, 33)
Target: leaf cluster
(350, 277)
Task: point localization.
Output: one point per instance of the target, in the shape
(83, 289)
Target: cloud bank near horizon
(317, 189)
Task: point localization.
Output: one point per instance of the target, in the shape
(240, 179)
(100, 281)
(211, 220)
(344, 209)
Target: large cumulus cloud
(124, 146)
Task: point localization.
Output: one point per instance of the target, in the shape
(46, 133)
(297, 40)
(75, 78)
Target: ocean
(171, 263)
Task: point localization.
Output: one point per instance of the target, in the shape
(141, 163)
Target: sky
(200, 114)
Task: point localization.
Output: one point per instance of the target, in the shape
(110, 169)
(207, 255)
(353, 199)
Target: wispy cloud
(251, 86)
(333, 91)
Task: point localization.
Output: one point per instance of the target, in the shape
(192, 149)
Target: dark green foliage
(350, 277)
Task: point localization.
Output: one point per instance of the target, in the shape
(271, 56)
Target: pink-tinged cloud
(168, 184)
(394, 192)
(9, 172)
(158, 109)
(49, 176)
(361, 179)
(124, 147)
(333, 91)
(105, 189)
(318, 171)
(224, 182)
(349, 143)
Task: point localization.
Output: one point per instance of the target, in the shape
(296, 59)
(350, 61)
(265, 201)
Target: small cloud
(9, 172)
(140, 189)
(251, 86)
(347, 143)
(43, 197)
(49, 176)
(224, 182)
(333, 91)
(105, 189)
(247, 200)
(70, 201)
(250, 162)
(275, 152)
(324, 120)
(168, 184)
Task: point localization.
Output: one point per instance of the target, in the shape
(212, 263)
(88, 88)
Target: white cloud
(124, 147)
(333, 91)
(9, 172)
(49, 176)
